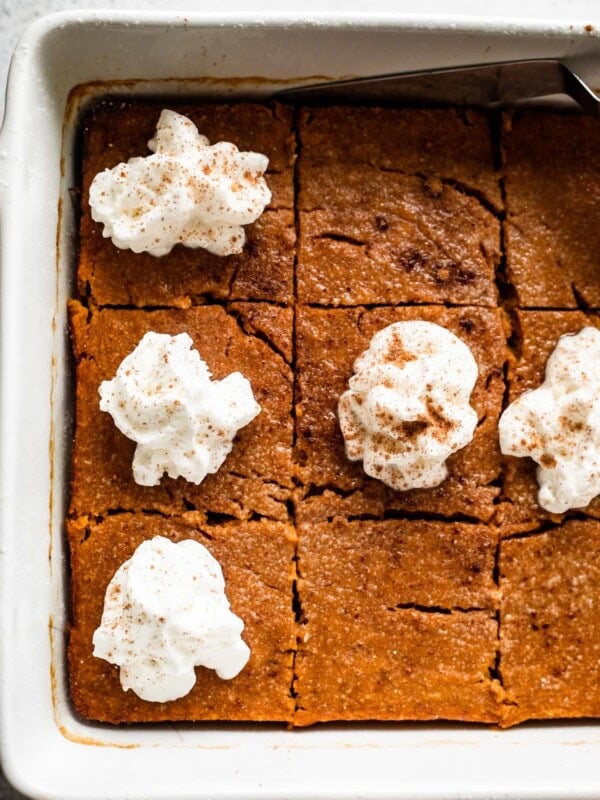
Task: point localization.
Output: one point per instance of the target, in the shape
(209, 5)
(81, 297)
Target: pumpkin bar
(327, 343)
(116, 131)
(256, 558)
(463, 602)
(454, 145)
(550, 618)
(256, 477)
(398, 622)
(368, 236)
(552, 228)
(384, 212)
(538, 334)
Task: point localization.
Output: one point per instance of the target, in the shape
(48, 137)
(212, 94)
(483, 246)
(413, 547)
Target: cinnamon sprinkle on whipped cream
(188, 192)
(407, 407)
(184, 423)
(558, 424)
(165, 612)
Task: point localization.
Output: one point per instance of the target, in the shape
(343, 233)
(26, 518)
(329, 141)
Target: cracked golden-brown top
(454, 145)
(256, 558)
(398, 621)
(373, 236)
(396, 206)
(463, 602)
(116, 131)
(549, 642)
(256, 477)
(552, 229)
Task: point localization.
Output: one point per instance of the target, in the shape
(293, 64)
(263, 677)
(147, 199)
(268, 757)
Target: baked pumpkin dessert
(378, 599)
(373, 236)
(257, 477)
(451, 145)
(115, 132)
(333, 485)
(256, 558)
(538, 334)
(390, 208)
(551, 167)
(362, 289)
(549, 646)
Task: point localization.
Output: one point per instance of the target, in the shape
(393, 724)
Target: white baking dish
(46, 751)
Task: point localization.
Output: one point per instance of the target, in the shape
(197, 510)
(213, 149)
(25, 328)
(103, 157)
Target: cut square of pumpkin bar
(256, 478)
(538, 334)
(398, 622)
(256, 559)
(552, 189)
(550, 618)
(327, 343)
(115, 131)
(396, 206)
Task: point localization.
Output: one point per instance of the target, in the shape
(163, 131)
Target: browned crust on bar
(256, 559)
(552, 182)
(256, 476)
(328, 342)
(386, 608)
(550, 648)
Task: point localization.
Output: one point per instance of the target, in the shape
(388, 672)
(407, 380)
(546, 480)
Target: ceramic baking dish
(48, 752)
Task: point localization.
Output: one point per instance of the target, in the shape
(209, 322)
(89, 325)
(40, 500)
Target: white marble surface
(16, 15)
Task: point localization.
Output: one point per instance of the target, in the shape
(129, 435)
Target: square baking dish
(46, 750)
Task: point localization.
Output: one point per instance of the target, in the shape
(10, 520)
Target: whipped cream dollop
(166, 612)
(407, 407)
(558, 424)
(184, 423)
(188, 192)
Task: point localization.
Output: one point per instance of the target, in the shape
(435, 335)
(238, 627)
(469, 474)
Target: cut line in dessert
(300, 501)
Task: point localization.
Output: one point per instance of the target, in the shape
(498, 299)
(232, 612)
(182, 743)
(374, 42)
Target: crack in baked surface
(390, 605)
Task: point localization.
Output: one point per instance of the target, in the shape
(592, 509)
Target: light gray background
(16, 15)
